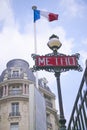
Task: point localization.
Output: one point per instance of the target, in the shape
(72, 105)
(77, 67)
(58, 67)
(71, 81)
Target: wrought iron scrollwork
(56, 69)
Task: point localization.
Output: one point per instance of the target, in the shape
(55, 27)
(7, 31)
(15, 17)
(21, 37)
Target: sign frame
(56, 63)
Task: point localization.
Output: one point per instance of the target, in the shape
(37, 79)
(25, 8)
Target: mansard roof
(17, 64)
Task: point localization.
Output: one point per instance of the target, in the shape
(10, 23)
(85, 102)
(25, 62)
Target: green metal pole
(62, 119)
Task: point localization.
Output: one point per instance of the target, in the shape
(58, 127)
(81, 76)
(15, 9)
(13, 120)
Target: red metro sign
(56, 61)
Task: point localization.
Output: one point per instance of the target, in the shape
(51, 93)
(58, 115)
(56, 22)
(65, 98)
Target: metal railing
(14, 114)
(49, 125)
(78, 120)
(15, 92)
(49, 104)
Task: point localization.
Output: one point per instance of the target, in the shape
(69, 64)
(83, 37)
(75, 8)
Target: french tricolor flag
(48, 15)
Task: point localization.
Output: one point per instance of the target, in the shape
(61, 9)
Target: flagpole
(35, 40)
(35, 44)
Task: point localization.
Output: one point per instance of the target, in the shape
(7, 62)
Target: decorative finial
(53, 36)
(34, 7)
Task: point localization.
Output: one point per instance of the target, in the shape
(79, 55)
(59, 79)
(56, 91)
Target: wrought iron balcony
(0, 96)
(15, 76)
(49, 104)
(14, 114)
(15, 92)
(49, 125)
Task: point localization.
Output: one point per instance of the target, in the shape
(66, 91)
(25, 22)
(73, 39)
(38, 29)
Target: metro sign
(56, 61)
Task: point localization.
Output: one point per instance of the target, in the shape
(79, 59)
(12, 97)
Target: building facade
(14, 97)
(51, 112)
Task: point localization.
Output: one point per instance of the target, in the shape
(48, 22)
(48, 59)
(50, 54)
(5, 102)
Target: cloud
(83, 57)
(83, 51)
(84, 41)
(43, 38)
(15, 44)
(73, 7)
(6, 13)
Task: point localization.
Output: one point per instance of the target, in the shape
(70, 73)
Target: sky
(17, 39)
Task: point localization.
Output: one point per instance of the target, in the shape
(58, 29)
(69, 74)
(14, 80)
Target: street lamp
(57, 62)
(55, 44)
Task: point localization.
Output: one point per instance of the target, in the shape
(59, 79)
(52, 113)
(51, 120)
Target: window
(15, 73)
(14, 126)
(1, 92)
(48, 117)
(15, 109)
(15, 90)
(25, 89)
(49, 124)
(5, 90)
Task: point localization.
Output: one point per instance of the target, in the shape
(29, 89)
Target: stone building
(51, 112)
(14, 97)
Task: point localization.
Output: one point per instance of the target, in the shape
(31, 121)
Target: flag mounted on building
(50, 16)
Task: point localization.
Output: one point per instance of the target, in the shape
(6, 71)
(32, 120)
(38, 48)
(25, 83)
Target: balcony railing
(15, 92)
(15, 76)
(0, 96)
(14, 114)
(49, 104)
(49, 125)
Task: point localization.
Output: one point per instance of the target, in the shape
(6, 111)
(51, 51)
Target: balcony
(49, 125)
(15, 76)
(0, 96)
(15, 92)
(13, 114)
(49, 104)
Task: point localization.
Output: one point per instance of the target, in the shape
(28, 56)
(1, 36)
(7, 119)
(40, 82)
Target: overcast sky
(17, 38)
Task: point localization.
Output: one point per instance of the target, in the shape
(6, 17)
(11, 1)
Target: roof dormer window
(15, 73)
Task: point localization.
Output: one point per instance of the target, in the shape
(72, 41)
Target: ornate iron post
(55, 44)
(62, 119)
(57, 63)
